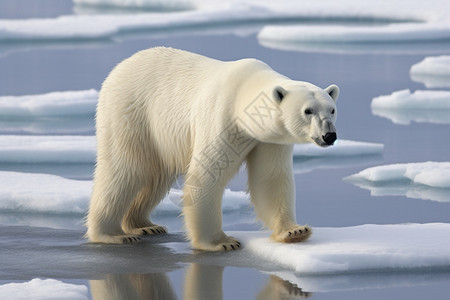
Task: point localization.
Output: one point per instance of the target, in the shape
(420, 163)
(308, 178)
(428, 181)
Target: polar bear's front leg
(202, 210)
(272, 191)
(203, 218)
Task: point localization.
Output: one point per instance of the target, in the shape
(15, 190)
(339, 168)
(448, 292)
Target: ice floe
(432, 71)
(68, 112)
(47, 149)
(403, 107)
(54, 104)
(391, 38)
(44, 193)
(358, 248)
(43, 289)
(426, 180)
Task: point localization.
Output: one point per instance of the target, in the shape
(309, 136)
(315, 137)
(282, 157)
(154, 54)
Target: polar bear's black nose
(329, 137)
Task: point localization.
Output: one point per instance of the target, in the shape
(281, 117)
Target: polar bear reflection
(202, 282)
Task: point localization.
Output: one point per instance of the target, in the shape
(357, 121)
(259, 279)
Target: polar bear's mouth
(320, 142)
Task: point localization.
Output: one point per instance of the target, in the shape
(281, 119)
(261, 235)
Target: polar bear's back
(149, 98)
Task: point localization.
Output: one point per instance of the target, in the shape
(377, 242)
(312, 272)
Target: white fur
(165, 112)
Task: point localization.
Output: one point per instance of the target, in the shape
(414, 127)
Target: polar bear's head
(300, 113)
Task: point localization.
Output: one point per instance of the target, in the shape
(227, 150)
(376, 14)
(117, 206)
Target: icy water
(51, 246)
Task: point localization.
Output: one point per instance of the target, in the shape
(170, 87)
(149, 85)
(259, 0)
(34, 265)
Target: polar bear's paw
(293, 235)
(228, 243)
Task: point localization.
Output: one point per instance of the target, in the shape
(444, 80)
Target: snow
(402, 107)
(432, 71)
(43, 289)
(47, 149)
(359, 248)
(426, 180)
(340, 148)
(53, 194)
(54, 104)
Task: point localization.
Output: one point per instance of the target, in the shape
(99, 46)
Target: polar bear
(165, 112)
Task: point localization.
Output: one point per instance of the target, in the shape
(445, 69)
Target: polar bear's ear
(333, 91)
(279, 93)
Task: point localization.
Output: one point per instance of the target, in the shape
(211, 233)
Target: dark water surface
(323, 198)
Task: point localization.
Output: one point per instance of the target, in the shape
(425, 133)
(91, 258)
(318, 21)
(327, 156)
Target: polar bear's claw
(130, 239)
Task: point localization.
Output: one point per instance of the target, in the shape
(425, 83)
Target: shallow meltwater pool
(378, 201)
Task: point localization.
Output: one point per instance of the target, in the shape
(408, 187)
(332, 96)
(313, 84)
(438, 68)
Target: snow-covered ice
(392, 38)
(433, 71)
(426, 180)
(54, 104)
(358, 248)
(43, 289)
(44, 193)
(418, 23)
(47, 149)
(437, 65)
(403, 107)
(24, 192)
(433, 174)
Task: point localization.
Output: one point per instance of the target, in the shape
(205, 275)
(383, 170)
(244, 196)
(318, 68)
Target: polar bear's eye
(308, 111)
(332, 112)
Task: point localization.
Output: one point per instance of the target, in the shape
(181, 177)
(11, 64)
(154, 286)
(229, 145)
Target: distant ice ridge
(54, 104)
(24, 192)
(426, 180)
(432, 71)
(402, 107)
(88, 27)
(430, 18)
(43, 289)
(358, 248)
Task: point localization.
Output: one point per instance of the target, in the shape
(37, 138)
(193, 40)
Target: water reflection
(404, 188)
(202, 282)
(406, 116)
(133, 286)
